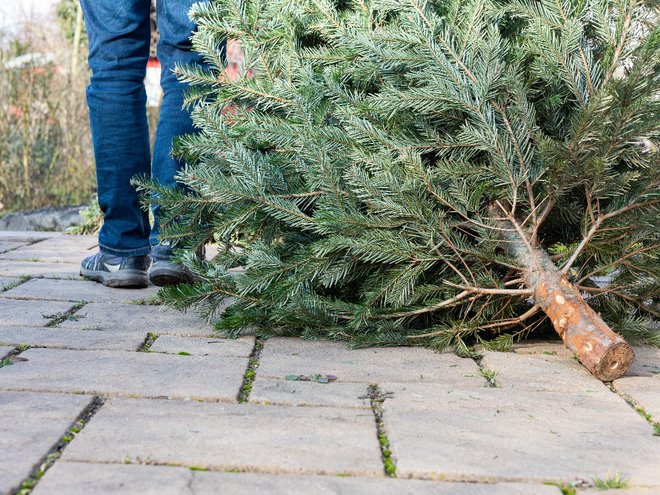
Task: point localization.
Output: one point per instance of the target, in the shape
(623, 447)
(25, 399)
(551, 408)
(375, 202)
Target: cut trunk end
(604, 353)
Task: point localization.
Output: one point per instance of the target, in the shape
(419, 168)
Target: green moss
(198, 468)
(489, 375)
(613, 482)
(565, 488)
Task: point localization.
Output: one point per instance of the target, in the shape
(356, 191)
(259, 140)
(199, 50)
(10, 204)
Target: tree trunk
(604, 353)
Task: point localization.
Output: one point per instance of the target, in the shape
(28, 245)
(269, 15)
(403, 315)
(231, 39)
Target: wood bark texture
(603, 352)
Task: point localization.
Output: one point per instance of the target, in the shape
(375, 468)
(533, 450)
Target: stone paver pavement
(155, 319)
(75, 478)
(30, 424)
(194, 413)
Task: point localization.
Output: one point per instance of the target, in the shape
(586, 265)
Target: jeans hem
(125, 252)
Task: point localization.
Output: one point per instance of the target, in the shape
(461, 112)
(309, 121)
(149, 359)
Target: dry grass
(45, 146)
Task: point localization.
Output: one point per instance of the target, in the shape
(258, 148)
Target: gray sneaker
(164, 271)
(129, 272)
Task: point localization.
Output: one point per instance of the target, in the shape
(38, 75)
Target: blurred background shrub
(45, 146)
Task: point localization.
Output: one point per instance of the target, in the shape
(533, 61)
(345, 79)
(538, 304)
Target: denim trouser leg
(119, 35)
(174, 48)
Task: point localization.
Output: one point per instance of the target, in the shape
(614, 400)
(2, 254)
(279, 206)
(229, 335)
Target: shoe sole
(169, 276)
(124, 279)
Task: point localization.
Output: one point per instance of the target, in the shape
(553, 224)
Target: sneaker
(164, 271)
(117, 271)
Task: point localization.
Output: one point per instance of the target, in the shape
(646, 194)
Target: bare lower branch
(596, 225)
(512, 322)
(428, 309)
(495, 292)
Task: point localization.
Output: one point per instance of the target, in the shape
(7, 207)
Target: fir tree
(408, 172)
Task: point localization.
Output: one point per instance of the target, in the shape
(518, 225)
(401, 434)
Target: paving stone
(31, 236)
(33, 255)
(231, 436)
(67, 242)
(287, 356)
(115, 479)
(77, 290)
(646, 363)
(643, 391)
(156, 319)
(127, 374)
(213, 346)
(8, 246)
(641, 384)
(17, 312)
(6, 283)
(45, 270)
(5, 350)
(542, 372)
(72, 338)
(489, 433)
(299, 393)
(543, 347)
(30, 425)
(56, 250)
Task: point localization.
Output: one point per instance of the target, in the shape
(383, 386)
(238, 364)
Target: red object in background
(153, 63)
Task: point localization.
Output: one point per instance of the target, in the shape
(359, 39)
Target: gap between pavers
(113, 479)
(27, 236)
(127, 374)
(77, 290)
(641, 384)
(10, 246)
(61, 338)
(32, 313)
(499, 433)
(301, 440)
(30, 425)
(159, 320)
(7, 282)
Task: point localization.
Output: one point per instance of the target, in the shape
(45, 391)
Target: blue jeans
(119, 38)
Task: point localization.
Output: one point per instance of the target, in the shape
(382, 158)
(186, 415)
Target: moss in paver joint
(611, 482)
(10, 358)
(639, 410)
(198, 468)
(565, 488)
(148, 342)
(488, 374)
(148, 301)
(13, 285)
(251, 371)
(377, 398)
(70, 315)
(47, 462)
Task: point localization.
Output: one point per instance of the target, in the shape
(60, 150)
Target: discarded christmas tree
(402, 172)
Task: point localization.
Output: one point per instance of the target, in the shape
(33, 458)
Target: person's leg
(119, 37)
(174, 48)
